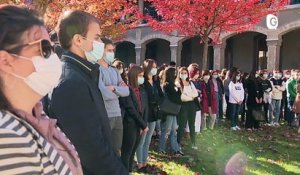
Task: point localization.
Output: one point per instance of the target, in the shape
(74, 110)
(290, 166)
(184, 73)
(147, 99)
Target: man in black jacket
(77, 103)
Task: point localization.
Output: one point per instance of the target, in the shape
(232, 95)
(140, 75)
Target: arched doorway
(192, 52)
(159, 50)
(125, 51)
(246, 51)
(289, 53)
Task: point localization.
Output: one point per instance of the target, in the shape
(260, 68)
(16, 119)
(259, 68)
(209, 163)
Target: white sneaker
(233, 128)
(194, 147)
(238, 128)
(276, 124)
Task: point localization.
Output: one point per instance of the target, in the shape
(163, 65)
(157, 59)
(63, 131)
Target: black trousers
(266, 109)
(227, 108)
(290, 112)
(250, 120)
(283, 109)
(187, 114)
(131, 138)
(221, 112)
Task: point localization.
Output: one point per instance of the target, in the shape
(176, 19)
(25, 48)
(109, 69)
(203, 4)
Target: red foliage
(211, 17)
(116, 16)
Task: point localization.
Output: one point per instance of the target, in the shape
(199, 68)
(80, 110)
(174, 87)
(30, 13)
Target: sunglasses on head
(46, 49)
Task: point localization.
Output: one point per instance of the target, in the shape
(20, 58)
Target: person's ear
(6, 61)
(77, 40)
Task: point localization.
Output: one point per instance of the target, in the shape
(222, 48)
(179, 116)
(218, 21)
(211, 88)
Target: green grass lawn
(271, 151)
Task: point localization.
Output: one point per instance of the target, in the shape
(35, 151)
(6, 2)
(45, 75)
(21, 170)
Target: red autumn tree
(208, 18)
(115, 15)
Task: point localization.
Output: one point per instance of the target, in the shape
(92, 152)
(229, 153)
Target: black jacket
(173, 95)
(220, 87)
(129, 105)
(255, 90)
(78, 106)
(154, 96)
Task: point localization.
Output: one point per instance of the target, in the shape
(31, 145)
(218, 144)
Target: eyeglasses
(46, 48)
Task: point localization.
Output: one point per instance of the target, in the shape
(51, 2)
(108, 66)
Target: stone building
(259, 48)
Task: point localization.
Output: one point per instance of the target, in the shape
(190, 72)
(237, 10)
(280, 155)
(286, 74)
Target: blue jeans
(143, 148)
(169, 128)
(234, 113)
(274, 109)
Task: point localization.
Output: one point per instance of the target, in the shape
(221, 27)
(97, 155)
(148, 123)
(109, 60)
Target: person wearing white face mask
(291, 87)
(30, 142)
(135, 107)
(112, 87)
(278, 86)
(219, 90)
(187, 112)
(284, 108)
(121, 69)
(236, 97)
(154, 92)
(208, 101)
(76, 102)
(267, 88)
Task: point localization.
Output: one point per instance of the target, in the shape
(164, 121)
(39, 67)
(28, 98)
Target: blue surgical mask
(153, 71)
(96, 53)
(109, 57)
(141, 80)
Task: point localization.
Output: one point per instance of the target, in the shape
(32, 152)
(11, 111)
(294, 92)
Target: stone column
(141, 5)
(219, 56)
(140, 52)
(273, 53)
(176, 53)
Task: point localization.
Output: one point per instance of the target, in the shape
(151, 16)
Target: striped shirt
(24, 151)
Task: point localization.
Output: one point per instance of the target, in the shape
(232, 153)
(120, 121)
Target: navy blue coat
(78, 106)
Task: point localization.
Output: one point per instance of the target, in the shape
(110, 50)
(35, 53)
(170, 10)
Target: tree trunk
(205, 54)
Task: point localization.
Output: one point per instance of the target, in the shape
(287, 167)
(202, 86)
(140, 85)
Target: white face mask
(153, 71)
(215, 76)
(120, 71)
(238, 78)
(265, 76)
(109, 57)
(96, 53)
(183, 76)
(141, 80)
(206, 77)
(47, 74)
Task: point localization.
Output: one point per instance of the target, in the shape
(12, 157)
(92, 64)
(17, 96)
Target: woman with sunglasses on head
(134, 124)
(30, 142)
(187, 112)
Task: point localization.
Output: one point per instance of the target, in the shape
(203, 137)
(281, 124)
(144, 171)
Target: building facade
(258, 48)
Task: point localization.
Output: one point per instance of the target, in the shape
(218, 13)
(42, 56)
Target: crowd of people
(82, 111)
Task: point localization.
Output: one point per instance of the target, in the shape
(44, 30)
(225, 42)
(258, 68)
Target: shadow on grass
(269, 151)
